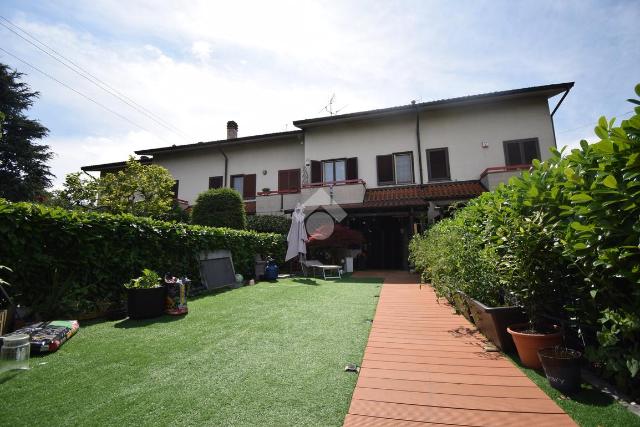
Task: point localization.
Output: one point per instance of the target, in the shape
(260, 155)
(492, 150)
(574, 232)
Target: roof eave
(547, 91)
(221, 143)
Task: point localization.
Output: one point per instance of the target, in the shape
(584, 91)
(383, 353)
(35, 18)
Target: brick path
(425, 366)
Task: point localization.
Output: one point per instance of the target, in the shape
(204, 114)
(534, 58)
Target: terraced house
(391, 170)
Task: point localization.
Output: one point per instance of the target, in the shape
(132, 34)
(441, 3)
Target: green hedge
(562, 239)
(269, 224)
(220, 207)
(67, 262)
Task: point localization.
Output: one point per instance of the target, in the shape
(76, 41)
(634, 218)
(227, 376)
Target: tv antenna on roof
(329, 107)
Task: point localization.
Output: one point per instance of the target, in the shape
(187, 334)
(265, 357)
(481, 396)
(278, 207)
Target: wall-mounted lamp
(264, 172)
(485, 144)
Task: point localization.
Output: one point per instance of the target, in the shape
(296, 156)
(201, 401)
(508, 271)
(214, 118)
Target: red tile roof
(418, 195)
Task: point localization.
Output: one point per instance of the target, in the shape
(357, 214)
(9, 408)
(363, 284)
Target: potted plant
(562, 368)
(525, 264)
(145, 296)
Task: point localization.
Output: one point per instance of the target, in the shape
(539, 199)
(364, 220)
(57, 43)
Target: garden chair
(314, 265)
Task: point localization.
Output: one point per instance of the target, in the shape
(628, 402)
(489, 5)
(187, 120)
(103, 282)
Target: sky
(186, 68)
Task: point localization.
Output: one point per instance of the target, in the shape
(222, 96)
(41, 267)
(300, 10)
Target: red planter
(528, 343)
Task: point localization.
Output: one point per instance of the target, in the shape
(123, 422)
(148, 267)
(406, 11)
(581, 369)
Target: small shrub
(220, 207)
(269, 224)
(149, 279)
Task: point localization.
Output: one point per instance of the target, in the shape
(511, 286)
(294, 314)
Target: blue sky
(198, 64)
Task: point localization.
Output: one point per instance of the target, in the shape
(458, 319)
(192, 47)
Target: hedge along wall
(67, 262)
(562, 239)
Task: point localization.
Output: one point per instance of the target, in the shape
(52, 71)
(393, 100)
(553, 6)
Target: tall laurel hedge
(563, 239)
(65, 262)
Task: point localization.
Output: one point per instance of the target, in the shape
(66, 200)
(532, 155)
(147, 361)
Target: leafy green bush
(149, 279)
(269, 224)
(563, 239)
(220, 207)
(65, 262)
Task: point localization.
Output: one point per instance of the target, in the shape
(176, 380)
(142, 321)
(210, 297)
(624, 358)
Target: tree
(141, 190)
(221, 207)
(24, 173)
(76, 193)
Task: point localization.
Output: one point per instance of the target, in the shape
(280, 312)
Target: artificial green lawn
(589, 408)
(270, 354)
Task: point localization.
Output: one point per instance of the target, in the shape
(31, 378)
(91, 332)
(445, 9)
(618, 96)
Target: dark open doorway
(385, 245)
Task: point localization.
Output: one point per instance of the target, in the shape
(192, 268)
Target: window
(245, 185)
(176, 185)
(395, 168)
(215, 182)
(334, 170)
(521, 151)
(289, 180)
(237, 183)
(438, 164)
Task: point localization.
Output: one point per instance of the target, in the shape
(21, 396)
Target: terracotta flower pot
(528, 344)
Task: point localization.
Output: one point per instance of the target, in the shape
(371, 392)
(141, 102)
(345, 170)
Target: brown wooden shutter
(316, 171)
(215, 182)
(385, 169)
(294, 179)
(283, 180)
(249, 186)
(352, 168)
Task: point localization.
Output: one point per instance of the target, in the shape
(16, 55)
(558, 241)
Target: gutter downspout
(226, 165)
(553, 126)
(418, 142)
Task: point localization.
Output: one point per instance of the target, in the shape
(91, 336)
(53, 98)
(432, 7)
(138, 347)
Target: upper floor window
(245, 185)
(289, 180)
(215, 182)
(334, 170)
(395, 168)
(521, 151)
(438, 164)
(176, 186)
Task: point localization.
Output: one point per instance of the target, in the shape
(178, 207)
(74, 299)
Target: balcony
(276, 202)
(495, 175)
(340, 192)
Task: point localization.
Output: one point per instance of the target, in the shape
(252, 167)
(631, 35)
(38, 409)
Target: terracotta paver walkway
(425, 366)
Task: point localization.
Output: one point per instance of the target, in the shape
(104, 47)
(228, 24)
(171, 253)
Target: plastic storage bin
(15, 352)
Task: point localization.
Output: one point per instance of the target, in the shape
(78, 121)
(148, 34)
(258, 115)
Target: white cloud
(201, 50)
(198, 64)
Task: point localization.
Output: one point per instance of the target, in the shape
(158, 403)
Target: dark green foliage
(562, 239)
(220, 207)
(65, 262)
(269, 224)
(176, 214)
(24, 173)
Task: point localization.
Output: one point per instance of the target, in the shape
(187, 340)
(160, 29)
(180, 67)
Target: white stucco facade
(193, 168)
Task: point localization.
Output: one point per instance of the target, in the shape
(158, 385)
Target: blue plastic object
(271, 271)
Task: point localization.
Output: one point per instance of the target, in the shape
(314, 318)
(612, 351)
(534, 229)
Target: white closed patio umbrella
(297, 237)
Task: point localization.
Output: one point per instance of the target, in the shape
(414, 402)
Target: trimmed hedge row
(562, 240)
(69, 262)
(269, 224)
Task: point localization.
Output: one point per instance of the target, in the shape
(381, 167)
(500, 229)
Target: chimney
(232, 130)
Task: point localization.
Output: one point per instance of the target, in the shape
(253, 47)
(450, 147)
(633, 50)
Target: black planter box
(145, 303)
(493, 322)
(461, 302)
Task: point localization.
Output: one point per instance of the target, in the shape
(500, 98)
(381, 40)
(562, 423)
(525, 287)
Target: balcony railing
(493, 176)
